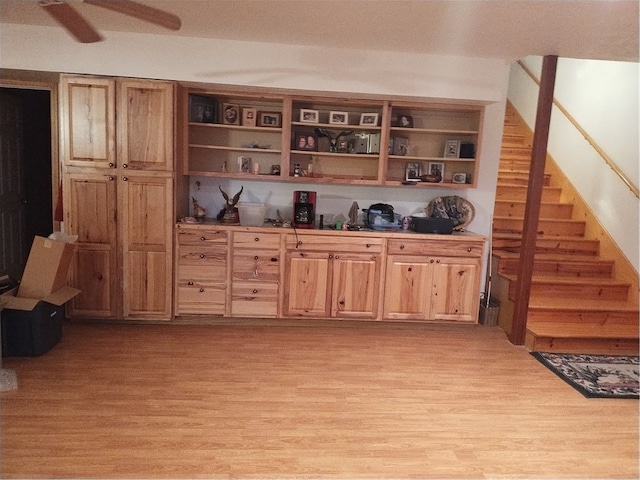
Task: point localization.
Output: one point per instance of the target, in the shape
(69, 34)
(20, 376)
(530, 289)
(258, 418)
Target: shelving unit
(316, 139)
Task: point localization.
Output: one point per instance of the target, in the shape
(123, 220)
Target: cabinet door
(145, 125)
(146, 243)
(407, 288)
(88, 121)
(308, 284)
(90, 213)
(355, 285)
(456, 283)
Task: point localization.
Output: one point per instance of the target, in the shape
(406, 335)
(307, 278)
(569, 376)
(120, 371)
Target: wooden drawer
(201, 298)
(449, 248)
(202, 263)
(256, 266)
(194, 236)
(254, 300)
(256, 240)
(335, 243)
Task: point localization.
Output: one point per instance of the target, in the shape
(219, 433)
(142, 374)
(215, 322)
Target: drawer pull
(274, 259)
(402, 247)
(201, 290)
(189, 283)
(438, 261)
(469, 249)
(368, 245)
(257, 239)
(202, 255)
(431, 261)
(255, 290)
(202, 239)
(256, 257)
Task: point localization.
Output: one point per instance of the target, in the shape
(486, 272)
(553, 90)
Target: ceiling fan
(84, 32)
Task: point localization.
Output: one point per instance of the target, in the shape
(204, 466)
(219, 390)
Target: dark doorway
(26, 207)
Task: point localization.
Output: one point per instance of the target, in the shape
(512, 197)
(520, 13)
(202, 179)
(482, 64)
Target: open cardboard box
(32, 314)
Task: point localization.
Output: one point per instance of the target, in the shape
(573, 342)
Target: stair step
(515, 151)
(559, 245)
(580, 311)
(546, 226)
(516, 208)
(558, 265)
(576, 287)
(572, 338)
(519, 177)
(519, 192)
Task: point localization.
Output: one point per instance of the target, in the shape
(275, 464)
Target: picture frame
(202, 109)
(249, 117)
(343, 146)
(451, 149)
(437, 168)
(369, 119)
(459, 178)
(413, 171)
(244, 164)
(230, 114)
(309, 116)
(307, 142)
(400, 146)
(270, 119)
(339, 118)
(402, 121)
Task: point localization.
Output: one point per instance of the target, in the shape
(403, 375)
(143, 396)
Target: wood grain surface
(309, 399)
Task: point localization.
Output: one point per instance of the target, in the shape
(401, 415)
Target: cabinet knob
(469, 249)
(431, 261)
(256, 257)
(125, 179)
(124, 165)
(202, 255)
(111, 165)
(189, 283)
(201, 290)
(336, 257)
(256, 239)
(111, 178)
(438, 261)
(202, 239)
(330, 256)
(274, 259)
(401, 247)
(368, 245)
(255, 290)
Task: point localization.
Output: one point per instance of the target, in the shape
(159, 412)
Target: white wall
(291, 67)
(603, 98)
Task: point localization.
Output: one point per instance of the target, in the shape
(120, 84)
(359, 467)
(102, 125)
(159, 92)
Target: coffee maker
(304, 209)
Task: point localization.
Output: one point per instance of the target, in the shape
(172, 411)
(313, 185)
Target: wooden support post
(534, 197)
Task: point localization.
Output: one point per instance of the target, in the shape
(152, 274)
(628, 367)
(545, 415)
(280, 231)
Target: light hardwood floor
(345, 400)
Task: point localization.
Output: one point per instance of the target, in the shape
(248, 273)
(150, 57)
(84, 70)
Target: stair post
(534, 198)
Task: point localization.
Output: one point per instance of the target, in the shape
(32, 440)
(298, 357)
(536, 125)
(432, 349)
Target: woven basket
(489, 313)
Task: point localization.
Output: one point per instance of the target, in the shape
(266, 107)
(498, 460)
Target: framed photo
(202, 109)
(437, 168)
(400, 146)
(343, 146)
(306, 142)
(339, 118)
(459, 178)
(244, 164)
(413, 171)
(451, 149)
(402, 121)
(369, 119)
(270, 119)
(249, 117)
(230, 114)
(309, 116)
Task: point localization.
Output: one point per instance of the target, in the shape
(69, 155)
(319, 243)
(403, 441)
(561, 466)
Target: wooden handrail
(608, 160)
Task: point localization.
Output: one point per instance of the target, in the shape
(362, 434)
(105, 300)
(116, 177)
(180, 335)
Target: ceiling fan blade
(71, 20)
(140, 11)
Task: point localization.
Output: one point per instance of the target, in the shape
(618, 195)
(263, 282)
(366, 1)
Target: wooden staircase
(581, 301)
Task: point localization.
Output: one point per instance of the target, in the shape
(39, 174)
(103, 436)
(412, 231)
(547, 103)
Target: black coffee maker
(304, 209)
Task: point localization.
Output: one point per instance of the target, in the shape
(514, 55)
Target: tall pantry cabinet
(118, 156)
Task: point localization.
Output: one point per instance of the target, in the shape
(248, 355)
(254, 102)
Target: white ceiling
(509, 29)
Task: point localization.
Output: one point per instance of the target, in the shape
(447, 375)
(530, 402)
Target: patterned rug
(595, 376)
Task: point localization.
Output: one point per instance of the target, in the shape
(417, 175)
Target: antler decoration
(333, 147)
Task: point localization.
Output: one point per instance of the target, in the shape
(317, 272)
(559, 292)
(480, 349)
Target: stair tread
(555, 257)
(566, 304)
(587, 330)
(564, 280)
(518, 236)
(545, 202)
(559, 220)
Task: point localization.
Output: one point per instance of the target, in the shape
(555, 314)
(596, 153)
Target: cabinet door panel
(88, 121)
(407, 289)
(145, 124)
(455, 289)
(308, 284)
(93, 273)
(355, 285)
(146, 242)
(256, 265)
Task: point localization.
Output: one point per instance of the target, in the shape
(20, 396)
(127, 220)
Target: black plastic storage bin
(31, 333)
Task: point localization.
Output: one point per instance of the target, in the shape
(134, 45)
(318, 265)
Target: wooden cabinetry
(333, 139)
(118, 194)
(202, 256)
(332, 276)
(429, 280)
(255, 274)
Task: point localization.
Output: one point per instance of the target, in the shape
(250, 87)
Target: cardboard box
(33, 313)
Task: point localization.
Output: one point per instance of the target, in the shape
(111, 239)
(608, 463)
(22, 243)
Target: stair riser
(596, 346)
(545, 227)
(563, 247)
(515, 151)
(581, 317)
(587, 292)
(561, 269)
(518, 178)
(504, 208)
(510, 192)
(515, 165)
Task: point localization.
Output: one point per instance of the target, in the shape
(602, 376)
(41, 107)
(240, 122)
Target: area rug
(595, 376)
(8, 380)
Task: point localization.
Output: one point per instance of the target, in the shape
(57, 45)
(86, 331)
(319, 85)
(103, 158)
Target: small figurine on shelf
(199, 213)
(229, 213)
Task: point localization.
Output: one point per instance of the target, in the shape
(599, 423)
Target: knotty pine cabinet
(118, 187)
(433, 281)
(332, 277)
